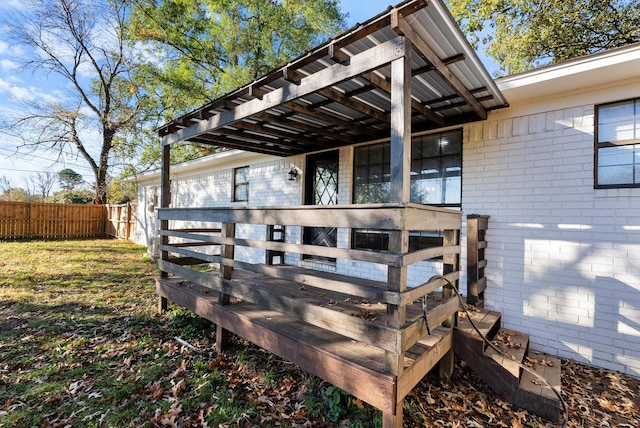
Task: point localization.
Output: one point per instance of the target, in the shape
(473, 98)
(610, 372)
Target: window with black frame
(617, 144)
(436, 179)
(241, 184)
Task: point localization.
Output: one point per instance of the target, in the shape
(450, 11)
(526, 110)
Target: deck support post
(165, 201)
(393, 420)
(400, 168)
(477, 226)
(227, 252)
(451, 263)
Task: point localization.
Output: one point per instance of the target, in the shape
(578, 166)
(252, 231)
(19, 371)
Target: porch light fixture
(293, 173)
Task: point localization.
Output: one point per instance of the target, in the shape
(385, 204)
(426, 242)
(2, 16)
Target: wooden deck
(373, 339)
(357, 367)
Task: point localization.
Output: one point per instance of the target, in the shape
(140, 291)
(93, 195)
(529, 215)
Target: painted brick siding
(564, 258)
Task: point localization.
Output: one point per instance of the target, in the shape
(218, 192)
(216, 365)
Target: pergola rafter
(341, 92)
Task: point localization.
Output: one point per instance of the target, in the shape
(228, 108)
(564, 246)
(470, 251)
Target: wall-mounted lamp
(293, 173)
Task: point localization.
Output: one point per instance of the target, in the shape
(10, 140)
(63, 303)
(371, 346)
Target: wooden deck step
(514, 345)
(486, 321)
(535, 395)
(503, 373)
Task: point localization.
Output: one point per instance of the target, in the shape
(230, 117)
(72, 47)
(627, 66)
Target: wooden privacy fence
(21, 220)
(120, 220)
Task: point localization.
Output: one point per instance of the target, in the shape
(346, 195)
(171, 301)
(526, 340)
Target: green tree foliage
(81, 196)
(69, 179)
(198, 50)
(15, 194)
(524, 34)
(120, 191)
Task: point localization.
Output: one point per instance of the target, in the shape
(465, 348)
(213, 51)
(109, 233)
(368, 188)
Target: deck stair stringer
(502, 371)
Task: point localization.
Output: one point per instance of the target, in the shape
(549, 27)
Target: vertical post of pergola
(165, 201)
(399, 193)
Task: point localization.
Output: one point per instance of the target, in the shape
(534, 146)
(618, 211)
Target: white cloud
(8, 65)
(16, 92)
(22, 94)
(4, 46)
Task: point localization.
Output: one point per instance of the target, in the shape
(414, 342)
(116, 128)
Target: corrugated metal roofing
(449, 85)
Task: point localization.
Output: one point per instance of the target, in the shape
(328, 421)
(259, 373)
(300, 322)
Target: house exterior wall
(563, 257)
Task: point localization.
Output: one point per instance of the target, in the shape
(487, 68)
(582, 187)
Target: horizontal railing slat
(370, 216)
(314, 250)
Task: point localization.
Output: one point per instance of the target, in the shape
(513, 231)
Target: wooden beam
(333, 119)
(424, 110)
(310, 110)
(314, 250)
(430, 67)
(400, 168)
(370, 216)
(361, 63)
(353, 104)
(455, 96)
(402, 27)
(341, 97)
(376, 81)
(461, 103)
(276, 150)
(165, 201)
(260, 128)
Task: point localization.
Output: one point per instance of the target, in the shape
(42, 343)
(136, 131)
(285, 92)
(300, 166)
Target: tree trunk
(101, 173)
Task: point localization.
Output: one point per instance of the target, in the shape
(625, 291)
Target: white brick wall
(562, 257)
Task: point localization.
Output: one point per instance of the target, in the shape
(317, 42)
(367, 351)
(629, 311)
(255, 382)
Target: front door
(321, 188)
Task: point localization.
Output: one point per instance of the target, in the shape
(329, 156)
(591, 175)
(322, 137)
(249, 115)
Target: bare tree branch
(84, 42)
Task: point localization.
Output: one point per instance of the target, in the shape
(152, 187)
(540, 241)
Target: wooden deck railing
(477, 226)
(213, 239)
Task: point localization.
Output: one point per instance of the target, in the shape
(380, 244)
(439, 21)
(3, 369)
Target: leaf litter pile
(81, 345)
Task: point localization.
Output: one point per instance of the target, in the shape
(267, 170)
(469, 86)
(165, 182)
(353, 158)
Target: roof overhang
(340, 93)
(586, 72)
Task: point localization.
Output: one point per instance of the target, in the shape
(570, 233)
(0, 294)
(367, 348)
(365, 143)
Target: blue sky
(16, 85)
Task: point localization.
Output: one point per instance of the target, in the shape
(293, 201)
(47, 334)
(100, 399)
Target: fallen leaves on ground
(80, 345)
(595, 398)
